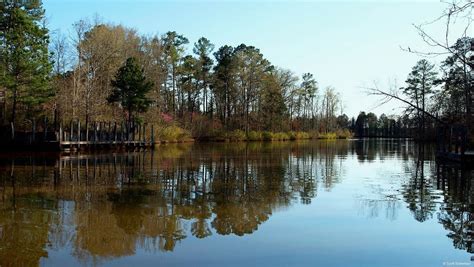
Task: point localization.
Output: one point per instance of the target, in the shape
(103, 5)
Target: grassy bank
(239, 135)
(175, 134)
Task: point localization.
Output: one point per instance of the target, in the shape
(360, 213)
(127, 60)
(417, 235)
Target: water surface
(334, 203)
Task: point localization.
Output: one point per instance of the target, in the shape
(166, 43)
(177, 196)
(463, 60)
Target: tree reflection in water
(457, 210)
(431, 191)
(445, 190)
(106, 206)
(420, 192)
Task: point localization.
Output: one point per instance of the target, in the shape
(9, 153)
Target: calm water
(347, 203)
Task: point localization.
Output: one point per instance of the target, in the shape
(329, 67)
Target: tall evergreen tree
(455, 98)
(188, 84)
(130, 88)
(420, 84)
(360, 124)
(273, 108)
(308, 91)
(223, 86)
(251, 67)
(203, 48)
(173, 44)
(24, 58)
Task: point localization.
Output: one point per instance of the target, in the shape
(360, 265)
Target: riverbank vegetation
(106, 72)
(110, 72)
(440, 98)
(175, 134)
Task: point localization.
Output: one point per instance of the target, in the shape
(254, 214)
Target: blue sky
(345, 44)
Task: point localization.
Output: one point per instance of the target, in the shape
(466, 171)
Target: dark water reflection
(344, 203)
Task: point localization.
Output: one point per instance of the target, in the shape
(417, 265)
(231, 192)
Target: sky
(345, 44)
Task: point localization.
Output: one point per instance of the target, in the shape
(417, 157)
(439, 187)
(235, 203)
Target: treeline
(436, 96)
(441, 95)
(388, 126)
(206, 90)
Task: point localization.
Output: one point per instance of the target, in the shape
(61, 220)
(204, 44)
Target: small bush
(174, 134)
(237, 135)
(329, 135)
(281, 136)
(254, 136)
(219, 136)
(302, 135)
(344, 134)
(313, 134)
(267, 136)
(292, 135)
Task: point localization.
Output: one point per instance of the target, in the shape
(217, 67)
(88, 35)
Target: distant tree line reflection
(109, 205)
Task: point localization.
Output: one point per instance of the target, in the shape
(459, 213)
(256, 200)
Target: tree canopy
(130, 88)
(25, 64)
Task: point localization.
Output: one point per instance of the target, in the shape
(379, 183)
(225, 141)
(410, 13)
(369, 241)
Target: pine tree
(203, 48)
(420, 86)
(130, 88)
(273, 108)
(25, 67)
(174, 50)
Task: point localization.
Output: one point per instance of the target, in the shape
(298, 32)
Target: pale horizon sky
(345, 44)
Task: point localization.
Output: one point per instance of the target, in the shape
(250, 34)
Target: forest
(103, 72)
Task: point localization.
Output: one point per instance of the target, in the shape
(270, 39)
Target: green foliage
(299, 135)
(419, 90)
(238, 91)
(273, 103)
(223, 87)
(187, 71)
(237, 135)
(267, 136)
(212, 97)
(420, 82)
(173, 44)
(309, 86)
(24, 56)
(281, 136)
(305, 99)
(173, 50)
(344, 134)
(338, 134)
(329, 135)
(343, 121)
(292, 135)
(130, 88)
(302, 135)
(174, 133)
(453, 98)
(203, 48)
(254, 136)
(313, 134)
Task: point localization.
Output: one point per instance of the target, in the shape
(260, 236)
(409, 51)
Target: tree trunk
(14, 106)
(173, 94)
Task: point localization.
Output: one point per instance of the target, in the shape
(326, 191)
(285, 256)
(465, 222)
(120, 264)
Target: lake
(313, 203)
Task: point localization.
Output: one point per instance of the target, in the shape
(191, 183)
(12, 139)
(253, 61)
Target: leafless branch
(455, 10)
(387, 96)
